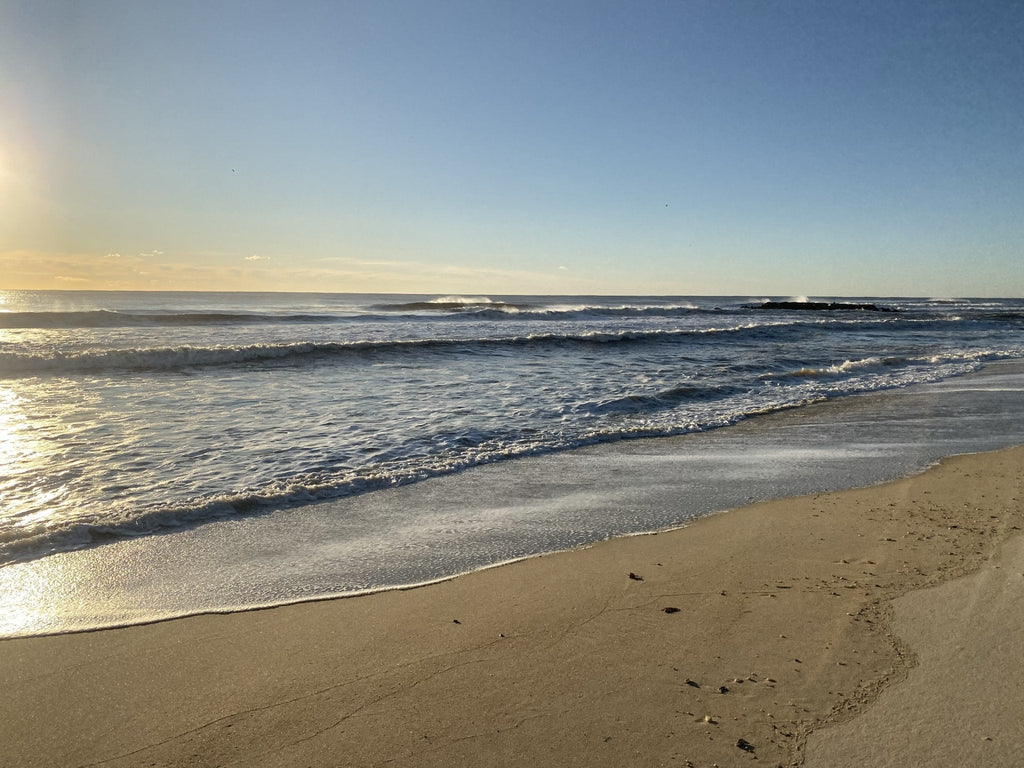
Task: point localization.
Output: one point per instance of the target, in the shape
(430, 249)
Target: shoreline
(563, 659)
(501, 513)
(442, 579)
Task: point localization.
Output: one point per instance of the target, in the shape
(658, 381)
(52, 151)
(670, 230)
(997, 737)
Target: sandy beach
(878, 626)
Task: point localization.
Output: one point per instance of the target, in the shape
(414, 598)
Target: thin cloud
(40, 270)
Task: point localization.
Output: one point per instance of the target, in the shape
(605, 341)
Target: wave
(17, 364)
(481, 307)
(584, 312)
(662, 413)
(449, 308)
(449, 304)
(46, 537)
(105, 318)
(951, 363)
(14, 364)
(43, 538)
(666, 399)
(838, 369)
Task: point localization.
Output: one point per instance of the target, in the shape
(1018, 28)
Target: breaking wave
(18, 364)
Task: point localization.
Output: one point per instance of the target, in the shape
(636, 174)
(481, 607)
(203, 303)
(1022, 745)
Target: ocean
(183, 452)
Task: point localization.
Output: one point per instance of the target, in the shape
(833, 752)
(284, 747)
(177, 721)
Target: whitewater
(125, 414)
(138, 422)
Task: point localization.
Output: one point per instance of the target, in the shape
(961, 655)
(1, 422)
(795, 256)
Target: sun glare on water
(24, 592)
(15, 442)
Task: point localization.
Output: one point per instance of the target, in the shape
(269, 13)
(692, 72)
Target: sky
(685, 147)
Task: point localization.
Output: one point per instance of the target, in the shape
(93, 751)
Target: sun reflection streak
(24, 595)
(13, 421)
(19, 450)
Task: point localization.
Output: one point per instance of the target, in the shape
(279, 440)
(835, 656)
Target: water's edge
(496, 514)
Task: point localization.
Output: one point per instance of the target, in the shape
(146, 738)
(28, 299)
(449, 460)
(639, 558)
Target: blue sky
(763, 148)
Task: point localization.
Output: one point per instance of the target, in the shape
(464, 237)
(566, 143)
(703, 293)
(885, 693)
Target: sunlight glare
(26, 504)
(27, 591)
(16, 445)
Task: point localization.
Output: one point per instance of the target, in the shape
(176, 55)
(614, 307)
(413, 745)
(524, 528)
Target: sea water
(136, 425)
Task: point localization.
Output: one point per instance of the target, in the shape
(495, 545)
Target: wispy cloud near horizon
(156, 270)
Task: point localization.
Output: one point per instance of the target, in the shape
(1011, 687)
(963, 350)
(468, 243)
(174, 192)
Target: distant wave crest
(452, 307)
(105, 318)
(481, 307)
(17, 364)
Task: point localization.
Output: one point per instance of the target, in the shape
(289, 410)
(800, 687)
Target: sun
(18, 173)
(13, 184)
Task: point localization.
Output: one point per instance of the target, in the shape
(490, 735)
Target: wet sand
(730, 641)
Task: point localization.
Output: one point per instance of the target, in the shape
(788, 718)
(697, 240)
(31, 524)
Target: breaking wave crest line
(14, 364)
(450, 306)
(105, 318)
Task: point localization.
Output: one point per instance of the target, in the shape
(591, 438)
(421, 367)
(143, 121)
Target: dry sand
(783, 622)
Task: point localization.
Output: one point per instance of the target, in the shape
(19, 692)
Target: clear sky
(565, 146)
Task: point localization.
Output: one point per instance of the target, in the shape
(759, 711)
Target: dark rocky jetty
(821, 306)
